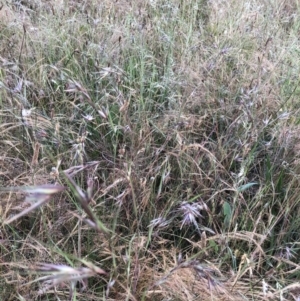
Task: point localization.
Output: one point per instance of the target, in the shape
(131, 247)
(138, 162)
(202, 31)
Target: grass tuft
(149, 150)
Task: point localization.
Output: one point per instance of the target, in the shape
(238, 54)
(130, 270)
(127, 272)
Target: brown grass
(149, 150)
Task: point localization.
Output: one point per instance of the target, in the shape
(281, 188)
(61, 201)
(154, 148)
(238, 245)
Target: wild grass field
(150, 150)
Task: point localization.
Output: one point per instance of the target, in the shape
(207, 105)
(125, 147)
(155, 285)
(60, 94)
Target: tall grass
(149, 150)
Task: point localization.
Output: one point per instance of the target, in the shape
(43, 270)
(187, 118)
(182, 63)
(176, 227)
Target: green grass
(149, 150)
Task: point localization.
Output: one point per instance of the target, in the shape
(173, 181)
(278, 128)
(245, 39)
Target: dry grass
(149, 150)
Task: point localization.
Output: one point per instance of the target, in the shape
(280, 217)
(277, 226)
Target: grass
(149, 150)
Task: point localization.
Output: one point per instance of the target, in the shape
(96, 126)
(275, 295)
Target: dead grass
(149, 150)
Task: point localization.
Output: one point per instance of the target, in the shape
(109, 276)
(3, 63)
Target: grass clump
(149, 150)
